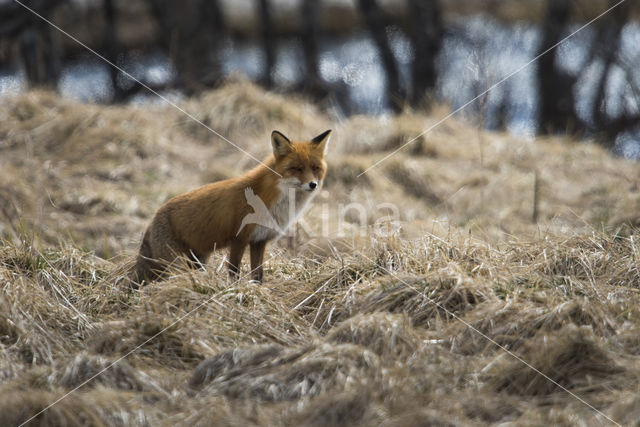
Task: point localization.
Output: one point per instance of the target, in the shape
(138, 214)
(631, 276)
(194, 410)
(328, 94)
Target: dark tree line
(557, 103)
(192, 33)
(558, 112)
(425, 33)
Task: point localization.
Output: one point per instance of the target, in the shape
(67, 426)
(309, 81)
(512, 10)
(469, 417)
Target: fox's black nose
(313, 185)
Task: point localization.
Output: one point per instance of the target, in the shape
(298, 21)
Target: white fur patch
(286, 210)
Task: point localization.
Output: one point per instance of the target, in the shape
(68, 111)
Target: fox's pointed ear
(322, 141)
(280, 143)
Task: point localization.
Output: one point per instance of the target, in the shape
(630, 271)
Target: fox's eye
(295, 169)
(315, 169)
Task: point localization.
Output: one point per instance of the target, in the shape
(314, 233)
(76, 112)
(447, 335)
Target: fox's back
(208, 216)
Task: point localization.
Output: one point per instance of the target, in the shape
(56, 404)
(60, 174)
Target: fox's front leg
(235, 257)
(257, 257)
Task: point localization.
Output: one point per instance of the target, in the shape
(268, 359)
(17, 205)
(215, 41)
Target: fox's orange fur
(196, 223)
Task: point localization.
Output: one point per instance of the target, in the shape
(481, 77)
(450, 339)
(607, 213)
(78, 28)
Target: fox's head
(301, 163)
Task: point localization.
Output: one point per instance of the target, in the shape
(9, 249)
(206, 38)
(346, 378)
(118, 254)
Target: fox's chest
(283, 213)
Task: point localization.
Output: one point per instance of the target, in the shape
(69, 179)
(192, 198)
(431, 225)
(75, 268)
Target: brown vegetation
(348, 329)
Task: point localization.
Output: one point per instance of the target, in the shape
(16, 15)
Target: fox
(249, 210)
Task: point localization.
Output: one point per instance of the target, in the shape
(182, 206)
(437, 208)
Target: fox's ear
(321, 141)
(280, 143)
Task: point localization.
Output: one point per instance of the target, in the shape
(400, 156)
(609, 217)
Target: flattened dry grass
(415, 340)
(570, 357)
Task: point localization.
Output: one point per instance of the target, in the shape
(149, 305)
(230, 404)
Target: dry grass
(349, 328)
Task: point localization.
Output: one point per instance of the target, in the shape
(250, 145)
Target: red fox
(219, 214)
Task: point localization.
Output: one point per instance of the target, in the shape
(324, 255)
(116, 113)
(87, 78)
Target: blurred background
(375, 57)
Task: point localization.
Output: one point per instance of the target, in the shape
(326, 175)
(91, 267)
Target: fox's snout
(310, 185)
(306, 185)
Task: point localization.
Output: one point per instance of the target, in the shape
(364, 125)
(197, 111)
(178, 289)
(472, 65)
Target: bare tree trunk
(213, 19)
(426, 36)
(377, 25)
(334, 94)
(557, 104)
(38, 48)
(192, 32)
(111, 48)
(269, 43)
(608, 45)
(313, 82)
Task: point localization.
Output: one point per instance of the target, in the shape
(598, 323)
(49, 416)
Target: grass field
(473, 278)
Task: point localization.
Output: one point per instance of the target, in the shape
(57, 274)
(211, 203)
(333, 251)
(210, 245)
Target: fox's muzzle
(312, 185)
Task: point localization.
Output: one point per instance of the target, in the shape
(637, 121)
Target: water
(477, 53)
(86, 79)
(355, 63)
(12, 82)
